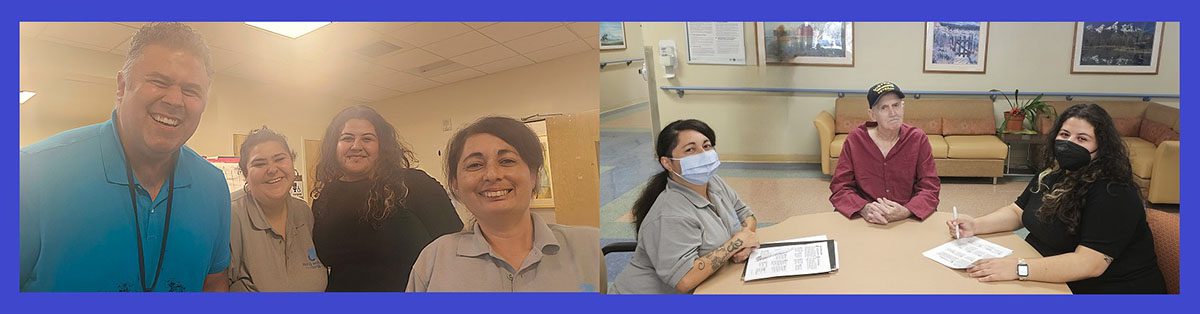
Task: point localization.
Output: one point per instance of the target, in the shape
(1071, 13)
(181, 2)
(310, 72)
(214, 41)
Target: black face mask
(1071, 156)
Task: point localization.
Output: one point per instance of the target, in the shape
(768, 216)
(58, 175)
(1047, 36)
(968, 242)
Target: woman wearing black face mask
(1083, 212)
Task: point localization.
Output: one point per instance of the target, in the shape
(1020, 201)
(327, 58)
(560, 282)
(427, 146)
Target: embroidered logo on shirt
(312, 259)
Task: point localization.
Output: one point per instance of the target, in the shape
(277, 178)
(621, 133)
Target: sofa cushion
(930, 126)
(938, 143)
(1141, 156)
(975, 147)
(847, 121)
(835, 148)
(1156, 133)
(969, 126)
(1127, 126)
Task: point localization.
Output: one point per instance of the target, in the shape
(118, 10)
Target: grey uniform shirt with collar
(563, 258)
(680, 227)
(262, 260)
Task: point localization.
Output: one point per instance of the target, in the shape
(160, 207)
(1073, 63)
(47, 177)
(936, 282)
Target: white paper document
(959, 254)
(778, 259)
(716, 43)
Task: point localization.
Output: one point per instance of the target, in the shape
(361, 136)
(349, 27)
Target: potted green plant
(1019, 112)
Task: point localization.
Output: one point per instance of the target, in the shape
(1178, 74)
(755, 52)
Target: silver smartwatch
(1022, 270)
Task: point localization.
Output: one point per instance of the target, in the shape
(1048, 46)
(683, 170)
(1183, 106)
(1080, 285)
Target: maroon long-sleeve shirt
(906, 175)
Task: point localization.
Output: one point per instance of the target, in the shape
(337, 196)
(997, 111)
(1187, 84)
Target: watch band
(1022, 265)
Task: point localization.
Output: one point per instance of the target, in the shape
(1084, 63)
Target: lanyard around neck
(138, 225)
(162, 251)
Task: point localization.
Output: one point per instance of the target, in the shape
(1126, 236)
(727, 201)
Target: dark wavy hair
(509, 130)
(388, 190)
(663, 145)
(1067, 197)
(259, 136)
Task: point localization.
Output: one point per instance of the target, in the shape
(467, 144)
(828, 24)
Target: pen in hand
(957, 233)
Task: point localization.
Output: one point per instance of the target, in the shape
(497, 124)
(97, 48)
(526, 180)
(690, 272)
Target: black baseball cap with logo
(881, 89)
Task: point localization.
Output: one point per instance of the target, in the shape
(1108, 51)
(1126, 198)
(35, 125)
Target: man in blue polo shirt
(123, 205)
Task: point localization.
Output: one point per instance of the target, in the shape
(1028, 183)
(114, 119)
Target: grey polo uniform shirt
(563, 259)
(262, 260)
(680, 227)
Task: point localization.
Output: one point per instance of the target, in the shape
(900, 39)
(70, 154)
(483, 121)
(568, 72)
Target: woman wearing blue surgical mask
(689, 223)
(1083, 213)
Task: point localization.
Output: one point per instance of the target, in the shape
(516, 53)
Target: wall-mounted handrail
(680, 90)
(625, 61)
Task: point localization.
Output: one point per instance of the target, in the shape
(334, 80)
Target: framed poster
(716, 43)
(612, 35)
(956, 47)
(1117, 47)
(806, 43)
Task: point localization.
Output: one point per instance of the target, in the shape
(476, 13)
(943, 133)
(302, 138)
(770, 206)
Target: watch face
(1022, 270)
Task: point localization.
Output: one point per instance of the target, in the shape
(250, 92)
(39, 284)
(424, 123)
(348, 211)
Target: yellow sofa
(1151, 132)
(962, 133)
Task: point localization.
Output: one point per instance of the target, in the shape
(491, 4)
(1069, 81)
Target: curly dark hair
(388, 190)
(663, 145)
(1067, 197)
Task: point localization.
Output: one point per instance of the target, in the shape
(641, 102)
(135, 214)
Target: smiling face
(160, 100)
(270, 171)
(1080, 132)
(492, 180)
(888, 112)
(358, 149)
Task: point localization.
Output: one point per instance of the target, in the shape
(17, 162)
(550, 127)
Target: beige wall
(564, 85)
(778, 127)
(622, 85)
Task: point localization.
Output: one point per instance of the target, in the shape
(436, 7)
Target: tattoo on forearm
(733, 246)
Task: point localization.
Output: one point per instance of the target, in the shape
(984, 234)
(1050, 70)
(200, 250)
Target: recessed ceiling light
(26, 95)
(289, 29)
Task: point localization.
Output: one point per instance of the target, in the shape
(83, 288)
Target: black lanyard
(138, 225)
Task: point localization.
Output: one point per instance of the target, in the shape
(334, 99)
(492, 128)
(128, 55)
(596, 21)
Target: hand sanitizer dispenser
(668, 57)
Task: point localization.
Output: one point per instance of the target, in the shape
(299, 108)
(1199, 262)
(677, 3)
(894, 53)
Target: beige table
(877, 260)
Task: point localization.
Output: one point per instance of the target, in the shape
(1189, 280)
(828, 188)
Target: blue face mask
(699, 168)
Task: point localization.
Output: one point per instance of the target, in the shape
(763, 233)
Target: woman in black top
(1083, 213)
(373, 212)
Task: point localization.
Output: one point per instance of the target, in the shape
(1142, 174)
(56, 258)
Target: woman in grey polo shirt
(271, 231)
(688, 221)
(492, 168)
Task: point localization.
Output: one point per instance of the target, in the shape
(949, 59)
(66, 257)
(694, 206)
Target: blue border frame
(546, 10)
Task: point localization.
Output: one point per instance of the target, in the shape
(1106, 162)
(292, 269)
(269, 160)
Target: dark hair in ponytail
(664, 144)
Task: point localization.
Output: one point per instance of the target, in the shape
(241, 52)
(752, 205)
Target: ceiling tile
(478, 25)
(460, 44)
(383, 27)
(585, 30)
(246, 39)
(262, 70)
(555, 52)
(543, 40)
(404, 60)
(458, 76)
(333, 40)
(421, 34)
(504, 64)
(104, 35)
(366, 92)
(223, 59)
(507, 31)
(436, 69)
(32, 29)
(485, 55)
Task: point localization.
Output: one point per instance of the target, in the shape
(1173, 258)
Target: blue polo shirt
(77, 231)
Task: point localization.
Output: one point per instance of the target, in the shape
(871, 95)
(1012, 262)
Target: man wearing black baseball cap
(886, 171)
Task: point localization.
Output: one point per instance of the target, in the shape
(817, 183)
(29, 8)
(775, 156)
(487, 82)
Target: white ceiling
(332, 59)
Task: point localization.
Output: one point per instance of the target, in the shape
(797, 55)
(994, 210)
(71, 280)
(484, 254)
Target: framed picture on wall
(1117, 47)
(806, 43)
(612, 35)
(956, 47)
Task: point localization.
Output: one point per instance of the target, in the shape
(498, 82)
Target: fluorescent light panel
(26, 95)
(289, 29)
